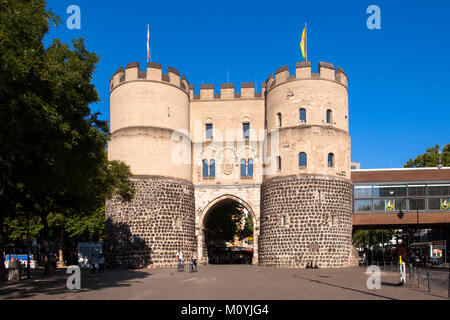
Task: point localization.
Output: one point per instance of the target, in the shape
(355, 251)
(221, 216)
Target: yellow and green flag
(303, 44)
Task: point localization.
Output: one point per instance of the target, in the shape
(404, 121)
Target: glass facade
(407, 197)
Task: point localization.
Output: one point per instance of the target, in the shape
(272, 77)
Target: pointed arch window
(209, 131)
(246, 130)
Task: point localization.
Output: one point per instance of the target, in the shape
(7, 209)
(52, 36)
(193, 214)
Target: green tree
(430, 158)
(53, 157)
(362, 238)
(224, 223)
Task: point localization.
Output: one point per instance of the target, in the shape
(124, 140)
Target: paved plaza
(218, 282)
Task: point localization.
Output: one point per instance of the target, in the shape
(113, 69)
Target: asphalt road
(219, 282)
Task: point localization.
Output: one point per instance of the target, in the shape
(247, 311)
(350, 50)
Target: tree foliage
(362, 238)
(53, 163)
(430, 158)
(227, 222)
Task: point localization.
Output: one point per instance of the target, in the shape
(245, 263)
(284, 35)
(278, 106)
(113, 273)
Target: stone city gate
(206, 207)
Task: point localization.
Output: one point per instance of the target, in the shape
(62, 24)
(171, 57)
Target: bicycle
(180, 266)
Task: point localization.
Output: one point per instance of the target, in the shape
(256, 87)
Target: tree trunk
(3, 274)
(46, 243)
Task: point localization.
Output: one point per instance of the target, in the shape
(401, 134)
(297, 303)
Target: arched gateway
(209, 209)
(191, 153)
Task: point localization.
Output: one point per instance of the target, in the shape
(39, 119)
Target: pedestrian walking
(180, 260)
(101, 265)
(93, 262)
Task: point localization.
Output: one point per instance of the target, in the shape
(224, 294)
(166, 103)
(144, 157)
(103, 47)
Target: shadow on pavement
(46, 286)
(346, 288)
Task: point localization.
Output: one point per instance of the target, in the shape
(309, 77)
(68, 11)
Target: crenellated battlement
(227, 92)
(327, 71)
(133, 73)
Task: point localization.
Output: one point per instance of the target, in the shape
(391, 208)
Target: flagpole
(148, 43)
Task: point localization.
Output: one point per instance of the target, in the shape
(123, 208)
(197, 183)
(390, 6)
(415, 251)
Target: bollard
(391, 266)
(428, 281)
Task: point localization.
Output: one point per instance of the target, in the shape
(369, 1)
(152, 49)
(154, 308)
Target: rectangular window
(209, 132)
(363, 205)
(439, 190)
(415, 204)
(389, 205)
(434, 203)
(389, 191)
(416, 190)
(363, 192)
(246, 130)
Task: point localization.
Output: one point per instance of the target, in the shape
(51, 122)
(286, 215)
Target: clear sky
(399, 76)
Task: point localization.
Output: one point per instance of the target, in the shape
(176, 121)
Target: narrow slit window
(279, 120)
(302, 115)
(246, 130)
(209, 131)
(302, 159)
(330, 160)
(329, 114)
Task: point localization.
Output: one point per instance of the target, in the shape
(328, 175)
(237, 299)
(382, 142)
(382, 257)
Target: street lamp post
(439, 166)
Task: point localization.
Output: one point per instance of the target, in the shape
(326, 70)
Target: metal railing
(429, 279)
(432, 280)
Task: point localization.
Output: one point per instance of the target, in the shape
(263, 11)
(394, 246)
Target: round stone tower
(306, 196)
(150, 132)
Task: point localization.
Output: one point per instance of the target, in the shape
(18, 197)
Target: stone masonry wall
(306, 218)
(149, 230)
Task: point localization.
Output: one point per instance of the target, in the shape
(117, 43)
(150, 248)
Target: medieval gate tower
(283, 154)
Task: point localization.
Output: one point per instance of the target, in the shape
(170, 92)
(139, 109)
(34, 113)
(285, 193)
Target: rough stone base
(149, 230)
(306, 218)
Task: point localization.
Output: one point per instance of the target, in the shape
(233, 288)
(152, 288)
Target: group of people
(100, 262)
(193, 259)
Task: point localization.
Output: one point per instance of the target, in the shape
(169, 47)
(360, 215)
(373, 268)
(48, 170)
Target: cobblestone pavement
(218, 282)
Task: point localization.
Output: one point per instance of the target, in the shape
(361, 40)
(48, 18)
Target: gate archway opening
(227, 232)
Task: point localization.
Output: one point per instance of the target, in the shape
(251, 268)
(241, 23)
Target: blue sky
(399, 76)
